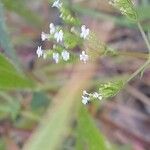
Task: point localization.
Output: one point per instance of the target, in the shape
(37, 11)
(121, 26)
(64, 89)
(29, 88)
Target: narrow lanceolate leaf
(5, 42)
(10, 78)
(89, 134)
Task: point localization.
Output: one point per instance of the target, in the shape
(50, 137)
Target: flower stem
(147, 63)
(139, 70)
(144, 37)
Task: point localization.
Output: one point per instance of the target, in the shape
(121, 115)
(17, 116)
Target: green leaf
(55, 124)
(39, 101)
(10, 78)
(5, 42)
(89, 134)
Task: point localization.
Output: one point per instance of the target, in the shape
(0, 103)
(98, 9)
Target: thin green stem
(144, 37)
(139, 70)
(147, 63)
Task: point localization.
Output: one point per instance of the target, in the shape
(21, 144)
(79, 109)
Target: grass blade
(54, 126)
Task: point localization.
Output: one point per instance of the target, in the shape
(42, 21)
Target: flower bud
(110, 89)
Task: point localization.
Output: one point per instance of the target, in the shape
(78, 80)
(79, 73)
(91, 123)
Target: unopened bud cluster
(126, 7)
(110, 89)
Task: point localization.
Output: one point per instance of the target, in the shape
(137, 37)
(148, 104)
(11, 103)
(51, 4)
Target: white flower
(85, 92)
(52, 28)
(57, 4)
(84, 57)
(59, 36)
(100, 97)
(56, 57)
(65, 55)
(44, 36)
(84, 32)
(85, 100)
(39, 51)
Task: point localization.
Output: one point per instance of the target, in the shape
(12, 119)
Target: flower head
(84, 57)
(59, 36)
(86, 97)
(85, 100)
(56, 57)
(44, 36)
(57, 4)
(84, 32)
(52, 28)
(65, 55)
(39, 51)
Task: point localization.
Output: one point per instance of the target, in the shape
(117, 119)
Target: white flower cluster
(87, 97)
(58, 35)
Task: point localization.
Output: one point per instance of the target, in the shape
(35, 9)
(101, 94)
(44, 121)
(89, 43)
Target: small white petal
(57, 4)
(84, 57)
(85, 100)
(52, 28)
(84, 32)
(59, 36)
(39, 51)
(44, 36)
(56, 57)
(65, 55)
(85, 92)
(100, 97)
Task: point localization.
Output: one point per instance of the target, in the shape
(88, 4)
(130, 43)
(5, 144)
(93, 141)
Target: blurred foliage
(5, 42)
(19, 7)
(142, 11)
(39, 102)
(2, 144)
(10, 78)
(52, 130)
(53, 127)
